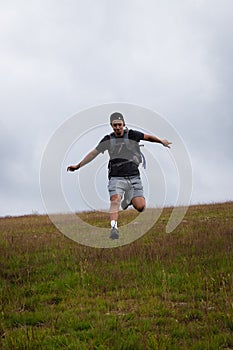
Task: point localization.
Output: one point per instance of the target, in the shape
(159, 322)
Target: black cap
(116, 116)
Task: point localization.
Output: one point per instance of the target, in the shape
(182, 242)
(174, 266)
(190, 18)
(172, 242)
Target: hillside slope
(164, 291)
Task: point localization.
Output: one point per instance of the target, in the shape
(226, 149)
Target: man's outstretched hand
(72, 167)
(166, 143)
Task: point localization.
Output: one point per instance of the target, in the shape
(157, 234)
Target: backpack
(132, 146)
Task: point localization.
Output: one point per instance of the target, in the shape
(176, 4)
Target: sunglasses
(117, 124)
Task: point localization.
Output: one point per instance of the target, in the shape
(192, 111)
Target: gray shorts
(132, 185)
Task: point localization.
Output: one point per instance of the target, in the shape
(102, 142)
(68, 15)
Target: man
(124, 185)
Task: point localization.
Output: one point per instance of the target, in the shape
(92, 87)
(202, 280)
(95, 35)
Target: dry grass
(164, 291)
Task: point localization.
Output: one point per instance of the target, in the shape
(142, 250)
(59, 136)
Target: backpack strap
(143, 158)
(126, 138)
(113, 139)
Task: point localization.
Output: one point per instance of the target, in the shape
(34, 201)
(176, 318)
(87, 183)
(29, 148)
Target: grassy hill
(164, 291)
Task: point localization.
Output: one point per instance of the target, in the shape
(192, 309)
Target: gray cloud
(172, 57)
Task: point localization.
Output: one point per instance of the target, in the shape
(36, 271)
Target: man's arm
(152, 138)
(87, 159)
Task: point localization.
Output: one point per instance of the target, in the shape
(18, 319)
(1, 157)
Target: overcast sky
(61, 57)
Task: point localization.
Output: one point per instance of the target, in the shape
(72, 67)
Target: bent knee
(141, 208)
(139, 203)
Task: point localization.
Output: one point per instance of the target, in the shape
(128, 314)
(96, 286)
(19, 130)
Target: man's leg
(115, 201)
(138, 200)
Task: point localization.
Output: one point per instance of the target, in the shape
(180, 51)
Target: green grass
(164, 291)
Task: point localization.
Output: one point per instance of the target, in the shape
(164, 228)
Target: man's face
(118, 127)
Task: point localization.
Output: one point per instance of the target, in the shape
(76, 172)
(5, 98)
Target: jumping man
(124, 186)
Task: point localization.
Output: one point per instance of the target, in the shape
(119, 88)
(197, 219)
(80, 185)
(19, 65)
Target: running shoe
(114, 233)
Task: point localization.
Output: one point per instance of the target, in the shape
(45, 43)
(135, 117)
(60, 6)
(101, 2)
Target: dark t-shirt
(121, 152)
